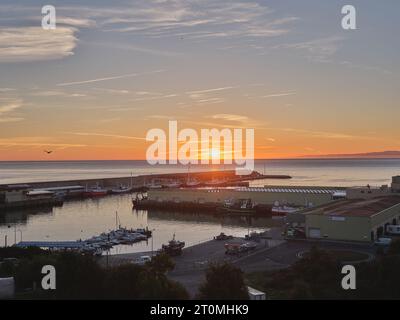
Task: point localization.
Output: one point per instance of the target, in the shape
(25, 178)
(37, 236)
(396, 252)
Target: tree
(161, 264)
(394, 247)
(223, 281)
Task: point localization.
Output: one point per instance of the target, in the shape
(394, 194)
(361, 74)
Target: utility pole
(152, 239)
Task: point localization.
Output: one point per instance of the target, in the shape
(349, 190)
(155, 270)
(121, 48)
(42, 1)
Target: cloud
(106, 135)
(8, 106)
(319, 50)
(209, 90)
(188, 18)
(56, 93)
(76, 22)
(35, 142)
(35, 44)
(106, 78)
(327, 135)
(230, 117)
(135, 48)
(275, 95)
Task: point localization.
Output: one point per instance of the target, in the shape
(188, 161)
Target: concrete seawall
(143, 179)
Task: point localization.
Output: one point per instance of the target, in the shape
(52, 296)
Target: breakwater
(143, 180)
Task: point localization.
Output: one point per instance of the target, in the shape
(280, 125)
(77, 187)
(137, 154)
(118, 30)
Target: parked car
(142, 260)
(383, 242)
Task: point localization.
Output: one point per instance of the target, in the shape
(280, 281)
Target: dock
(52, 244)
(141, 180)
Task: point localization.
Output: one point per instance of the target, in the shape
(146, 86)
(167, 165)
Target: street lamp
(152, 239)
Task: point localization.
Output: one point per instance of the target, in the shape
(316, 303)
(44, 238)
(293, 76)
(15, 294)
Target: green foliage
(394, 247)
(82, 277)
(161, 264)
(223, 281)
(318, 276)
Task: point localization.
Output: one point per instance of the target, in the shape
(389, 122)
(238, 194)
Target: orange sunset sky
(92, 88)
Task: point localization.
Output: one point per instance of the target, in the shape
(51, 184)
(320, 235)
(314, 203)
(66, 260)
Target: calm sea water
(345, 172)
(83, 219)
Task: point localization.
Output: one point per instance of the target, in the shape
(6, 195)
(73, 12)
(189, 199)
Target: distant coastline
(365, 155)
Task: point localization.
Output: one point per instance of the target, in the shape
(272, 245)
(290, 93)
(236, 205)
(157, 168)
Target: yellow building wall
(350, 229)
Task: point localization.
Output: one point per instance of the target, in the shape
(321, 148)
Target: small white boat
(154, 186)
(214, 182)
(173, 184)
(192, 183)
(283, 210)
(121, 189)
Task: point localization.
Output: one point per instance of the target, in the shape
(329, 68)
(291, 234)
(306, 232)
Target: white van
(393, 229)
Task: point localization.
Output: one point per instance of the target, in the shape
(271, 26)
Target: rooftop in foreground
(357, 207)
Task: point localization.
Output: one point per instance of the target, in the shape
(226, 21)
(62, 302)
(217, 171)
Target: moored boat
(174, 247)
(96, 191)
(121, 189)
(283, 210)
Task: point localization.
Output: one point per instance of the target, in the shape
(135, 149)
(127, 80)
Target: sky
(111, 71)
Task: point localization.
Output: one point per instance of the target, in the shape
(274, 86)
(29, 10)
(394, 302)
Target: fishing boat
(190, 182)
(238, 206)
(173, 248)
(96, 191)
(138, 198)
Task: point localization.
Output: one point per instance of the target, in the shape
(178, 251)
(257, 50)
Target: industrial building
(271, 195)
(352, 220)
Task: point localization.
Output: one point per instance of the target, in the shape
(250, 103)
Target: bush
(223, 281)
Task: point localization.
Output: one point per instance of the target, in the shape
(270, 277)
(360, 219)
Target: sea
(81, 219)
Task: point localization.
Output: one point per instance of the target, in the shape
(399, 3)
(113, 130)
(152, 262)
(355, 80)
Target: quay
(143, 180)
(262, 200)
(51, 244)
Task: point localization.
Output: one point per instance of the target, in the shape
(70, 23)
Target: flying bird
(48, 151)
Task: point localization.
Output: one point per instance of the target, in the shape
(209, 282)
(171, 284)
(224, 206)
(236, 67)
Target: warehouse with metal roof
(353, 220)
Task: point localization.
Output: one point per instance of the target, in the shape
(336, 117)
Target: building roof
(291, 189)
(356, 207)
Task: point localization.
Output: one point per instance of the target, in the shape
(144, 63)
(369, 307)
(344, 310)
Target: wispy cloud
(34, 43)
(210, 90)
(107, 78)
(276, 95)
(36, 142)
(106, 135)
(230, 117)
(187, 18)
(7, 107)
(319, 50)
(57, 93)
(328, 135)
